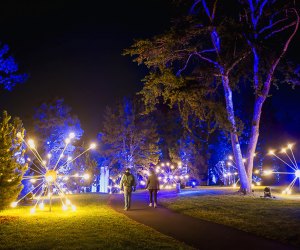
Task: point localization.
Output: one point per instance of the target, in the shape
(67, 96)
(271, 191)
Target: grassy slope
(276, 219)
(93, 226)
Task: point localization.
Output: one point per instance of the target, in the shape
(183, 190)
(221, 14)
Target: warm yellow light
(33, 180)
(51, 176)
(252, 185)
(268, 172)
(258, 183)
(162, 164)
(14, 204)
(230, 157)
(229, 164)
(283, 150)
(290, 146)
(168, 164)
(271, 152)
(49, 156)
(93, 146)
(172, 167)
(44, 162)
(256, 171)
(289, 191)
(32, 210)
(76, 175)
(19, 135)
(67, 141)
(234, 185)
(31, 143)
(244, 160)
(254, 154)
(86, 176)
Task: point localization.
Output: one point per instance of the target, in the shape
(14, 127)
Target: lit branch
(280, 30)
(272, 25)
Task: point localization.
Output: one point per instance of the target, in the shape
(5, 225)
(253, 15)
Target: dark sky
(72, 49)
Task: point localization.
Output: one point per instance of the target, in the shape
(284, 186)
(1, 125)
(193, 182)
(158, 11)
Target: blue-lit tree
(9, 75)
(129, 138)
(53, 121)
(206, 53)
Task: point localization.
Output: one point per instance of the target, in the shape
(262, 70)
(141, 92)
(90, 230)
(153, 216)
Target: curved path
(192, 231)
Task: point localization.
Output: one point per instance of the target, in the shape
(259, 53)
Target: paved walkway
(194, 232)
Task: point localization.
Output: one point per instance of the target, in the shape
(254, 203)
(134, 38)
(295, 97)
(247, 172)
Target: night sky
(72, 50)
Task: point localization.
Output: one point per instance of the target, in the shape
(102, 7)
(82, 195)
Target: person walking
(153, 186)
(127, 185)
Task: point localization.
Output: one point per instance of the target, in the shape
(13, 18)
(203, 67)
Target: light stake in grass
(46, 176)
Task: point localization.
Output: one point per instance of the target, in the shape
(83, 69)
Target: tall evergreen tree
(12, 163)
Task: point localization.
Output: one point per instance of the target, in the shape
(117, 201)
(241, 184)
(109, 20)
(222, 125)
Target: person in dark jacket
(153, 187)
(127, 185)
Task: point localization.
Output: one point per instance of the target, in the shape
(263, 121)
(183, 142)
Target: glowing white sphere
(72, 135)
(297, 173)
(14, 204)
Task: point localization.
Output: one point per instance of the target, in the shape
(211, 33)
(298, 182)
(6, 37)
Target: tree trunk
(254, 135)
(245, 184)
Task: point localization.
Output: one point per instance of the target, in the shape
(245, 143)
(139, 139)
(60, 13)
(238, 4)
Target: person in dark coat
(153, 186)
(127, 186)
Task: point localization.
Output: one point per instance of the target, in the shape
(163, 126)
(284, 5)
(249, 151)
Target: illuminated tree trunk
(262, 94)
(236, 147)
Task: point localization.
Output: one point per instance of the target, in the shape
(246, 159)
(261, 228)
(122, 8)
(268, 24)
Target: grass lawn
(94, 225)
(272, 218)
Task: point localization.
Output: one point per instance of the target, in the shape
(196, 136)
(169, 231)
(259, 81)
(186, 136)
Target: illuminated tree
(129, 138)
(12, 164)
(53, 122)
(198, 64)
(8, 69)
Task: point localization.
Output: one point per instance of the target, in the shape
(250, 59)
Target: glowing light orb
(14, 204)
(86, 176)
(31, 143)
(51, 176)
(290, 161)
(169, 174)
(45, 177)
(72, 135)
(42, 206)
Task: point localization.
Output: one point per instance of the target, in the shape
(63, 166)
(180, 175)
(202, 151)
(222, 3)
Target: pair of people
(128, 185)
